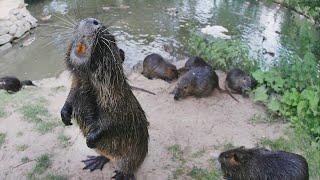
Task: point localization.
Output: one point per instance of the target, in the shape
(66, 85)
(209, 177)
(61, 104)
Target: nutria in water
(12, 84)
(263, 164)
(198, 82)
(154, 66)
(238, 81)
(101, 100)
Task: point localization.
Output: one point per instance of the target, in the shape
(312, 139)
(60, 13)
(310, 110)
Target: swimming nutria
(154, 66)
(238, 81)
(198, 82)
(193, 62)
(263, 164)
(122, 55)
(101, 100)
(12, 84)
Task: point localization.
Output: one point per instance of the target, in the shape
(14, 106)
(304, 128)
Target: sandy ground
(204, 124)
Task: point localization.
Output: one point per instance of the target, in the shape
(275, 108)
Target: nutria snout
(261, 164)
(154, 66)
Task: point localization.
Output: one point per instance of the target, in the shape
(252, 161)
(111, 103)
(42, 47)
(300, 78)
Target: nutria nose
(176, 97)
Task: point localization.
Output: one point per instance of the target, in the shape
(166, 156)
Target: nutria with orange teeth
(101, 100)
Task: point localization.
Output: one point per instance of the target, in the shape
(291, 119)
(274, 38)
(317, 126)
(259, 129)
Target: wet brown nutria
(238, 81)
(262, 164)
(109, 115)
(154, 66)
(12, 84)
(193, 62)
(198, 82)
(122, 55)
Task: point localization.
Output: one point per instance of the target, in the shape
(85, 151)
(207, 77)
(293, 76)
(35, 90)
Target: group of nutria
(115, 125)
(197, 77)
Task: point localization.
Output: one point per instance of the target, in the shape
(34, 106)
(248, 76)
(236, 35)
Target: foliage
(292, 90)
(223, 54)
(22, 147)
(42, 164)
(2, 138)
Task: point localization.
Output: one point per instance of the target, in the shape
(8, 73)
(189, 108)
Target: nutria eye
(95, 22)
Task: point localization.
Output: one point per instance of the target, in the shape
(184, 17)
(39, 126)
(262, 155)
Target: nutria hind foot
(122, 176)
(95, 162)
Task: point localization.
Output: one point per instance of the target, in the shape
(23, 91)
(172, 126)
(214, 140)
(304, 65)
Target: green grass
(2, 112)
(64, 140)
(42, 164)
(55, 177)
(205, 174)
(2, 138)
(22, 147)
(25, 159)
(19, 134)
(198, 154)
(177, 153)
(46, 126)
(34, 112)
(300, 143)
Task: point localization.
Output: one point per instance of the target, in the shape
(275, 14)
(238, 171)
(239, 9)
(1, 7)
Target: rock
(5, 47)
(5, 38)
(13, 29)
(14, 11)
(216, 32)
(4, 29)
(20, 31)
(33, 21)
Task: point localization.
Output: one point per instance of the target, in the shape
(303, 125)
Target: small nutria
(193, 62)
(154, 66)
(122, 55)
(12, 84)
(238, 81)
(198, 82)
(262, 164)
(109, 115)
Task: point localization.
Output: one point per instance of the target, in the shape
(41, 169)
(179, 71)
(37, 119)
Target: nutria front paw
(93, 137)
(66, 113)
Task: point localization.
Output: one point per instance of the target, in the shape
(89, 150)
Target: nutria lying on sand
(101, 100)
(12, 84)
(154, 66)
(198, 82)
(238, 81)
(263, 164)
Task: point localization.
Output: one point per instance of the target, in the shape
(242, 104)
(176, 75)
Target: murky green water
(146, 26)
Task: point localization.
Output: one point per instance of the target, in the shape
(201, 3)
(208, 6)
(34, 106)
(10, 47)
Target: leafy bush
(223, 54)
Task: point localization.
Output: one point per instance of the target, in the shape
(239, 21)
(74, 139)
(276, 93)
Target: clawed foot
(66, 113)
(95, 162)
(93, 137)
(121, 176)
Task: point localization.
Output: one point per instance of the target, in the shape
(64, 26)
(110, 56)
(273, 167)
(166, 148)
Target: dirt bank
(196, 129)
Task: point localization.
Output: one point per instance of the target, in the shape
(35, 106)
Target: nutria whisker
(60, 26)
(66, 22)
(108, 40)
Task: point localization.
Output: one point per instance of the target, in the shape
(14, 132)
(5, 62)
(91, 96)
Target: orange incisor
(81, 48)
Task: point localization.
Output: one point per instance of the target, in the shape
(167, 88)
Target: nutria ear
(234, 160)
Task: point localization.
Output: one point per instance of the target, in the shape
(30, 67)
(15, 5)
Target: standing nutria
(263, 164)
(154, 66)
(12, 84)
(101, 100)
(193, 62)
(198, 82)
(238, 81)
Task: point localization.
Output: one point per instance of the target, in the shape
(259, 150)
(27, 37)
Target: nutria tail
(143, 90)
(27, 83)
(228, 92)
